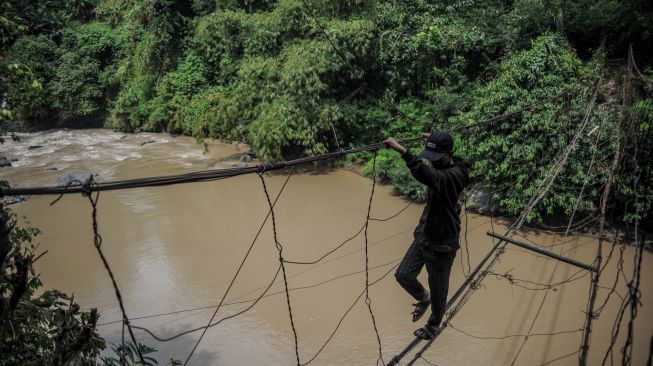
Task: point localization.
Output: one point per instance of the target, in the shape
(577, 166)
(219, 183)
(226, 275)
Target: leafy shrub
(29, 69)
(390, 167)
(173, 94)
(77, 76)
(519, 151)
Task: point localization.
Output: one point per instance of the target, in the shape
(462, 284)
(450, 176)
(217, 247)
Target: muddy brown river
(175, 249)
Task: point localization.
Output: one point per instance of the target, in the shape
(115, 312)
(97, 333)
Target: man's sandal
(426, 332)
(420, 309)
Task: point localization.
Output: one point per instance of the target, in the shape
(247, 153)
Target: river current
(175, 250)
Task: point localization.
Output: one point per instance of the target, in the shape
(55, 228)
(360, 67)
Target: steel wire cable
(167, 339)
(213, 175)
(342, 318)
(512, 335)
(240, 267)
(348, 239)
(560, 358)
(593, 290)
(368, 300)
(545, 185)
(201, 176)
(537, 314)
(238, 302)
(283, 267)
(97, 241)
(262, 295)
(506, 115)
(634, 283)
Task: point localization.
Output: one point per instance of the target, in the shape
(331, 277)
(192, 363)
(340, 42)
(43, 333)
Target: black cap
(437, 145)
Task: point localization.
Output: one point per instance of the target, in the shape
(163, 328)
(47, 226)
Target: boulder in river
(4, 162)
(73, 179)
(479, 199)
(148, 142)
(239, 165)
(12, 200)
(32, 147)
(245, 158)
(51, 168)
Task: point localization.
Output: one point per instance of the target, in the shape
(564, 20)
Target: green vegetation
(505, 154)
(263, 72)
(285, 75)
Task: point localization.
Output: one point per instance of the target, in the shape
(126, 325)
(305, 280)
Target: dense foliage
(288, 75)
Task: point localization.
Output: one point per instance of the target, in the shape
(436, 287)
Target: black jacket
(439, 225)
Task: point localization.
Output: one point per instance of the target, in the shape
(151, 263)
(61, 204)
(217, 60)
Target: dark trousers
(438, 266)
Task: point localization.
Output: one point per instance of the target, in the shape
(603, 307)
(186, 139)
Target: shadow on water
(177, 349)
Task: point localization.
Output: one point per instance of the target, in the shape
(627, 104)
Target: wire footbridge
(474, 277)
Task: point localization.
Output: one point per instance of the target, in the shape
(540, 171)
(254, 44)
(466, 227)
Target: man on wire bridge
(437, 235)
